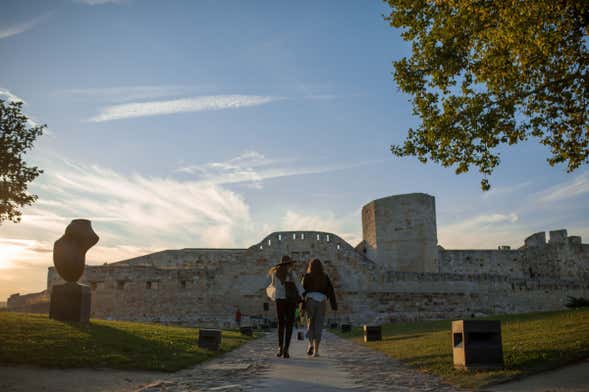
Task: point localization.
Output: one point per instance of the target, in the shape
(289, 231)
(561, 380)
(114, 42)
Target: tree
(488, 73)
(16, 137)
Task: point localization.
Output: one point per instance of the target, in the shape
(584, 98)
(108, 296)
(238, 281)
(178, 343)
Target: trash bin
(476, 344)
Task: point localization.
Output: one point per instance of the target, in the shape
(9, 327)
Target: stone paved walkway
(342, 366)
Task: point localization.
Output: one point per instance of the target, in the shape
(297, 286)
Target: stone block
(246, 331)
(372, 333)
(476, 344)
(536, 239)
(557, 236)
(70, 302)
(209, 339)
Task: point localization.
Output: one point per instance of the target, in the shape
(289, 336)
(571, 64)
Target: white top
(316, 296)
(276, 288)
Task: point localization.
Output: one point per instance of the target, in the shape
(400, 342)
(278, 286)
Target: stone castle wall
(204, 286)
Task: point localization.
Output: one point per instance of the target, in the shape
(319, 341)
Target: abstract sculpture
(71, 301)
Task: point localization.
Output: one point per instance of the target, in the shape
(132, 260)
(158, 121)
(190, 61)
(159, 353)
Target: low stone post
(372, 333)
(209, 339)
(247, 331)
(476, 344)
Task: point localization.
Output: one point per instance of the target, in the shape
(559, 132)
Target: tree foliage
(486, 73)
(16, 138)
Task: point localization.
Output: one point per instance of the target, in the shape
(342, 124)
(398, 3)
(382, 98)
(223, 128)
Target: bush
(580, 302)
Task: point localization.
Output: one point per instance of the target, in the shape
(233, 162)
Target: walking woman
(318, 289)
(286, 290)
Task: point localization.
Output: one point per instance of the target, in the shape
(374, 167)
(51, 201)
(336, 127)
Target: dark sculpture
(71, 301)
(69, 252)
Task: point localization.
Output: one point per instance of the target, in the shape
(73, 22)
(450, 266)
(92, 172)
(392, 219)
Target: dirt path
(27, 379)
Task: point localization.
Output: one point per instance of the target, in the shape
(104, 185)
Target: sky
(212, 123)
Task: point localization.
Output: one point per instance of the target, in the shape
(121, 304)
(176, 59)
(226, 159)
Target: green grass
(532, 343)
(31, 339)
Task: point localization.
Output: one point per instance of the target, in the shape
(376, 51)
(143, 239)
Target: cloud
(197, 104)
(14, 98)
(321, 222)
(482, 231)
(100, 2)
(126, 93)
(566, 190)
(253, 168)
(15, 29)
(10, 96)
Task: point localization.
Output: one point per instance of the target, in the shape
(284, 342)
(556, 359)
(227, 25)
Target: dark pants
(285, 311)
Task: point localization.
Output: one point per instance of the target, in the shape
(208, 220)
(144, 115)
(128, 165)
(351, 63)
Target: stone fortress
(397, 272)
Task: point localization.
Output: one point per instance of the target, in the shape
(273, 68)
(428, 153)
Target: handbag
(271, 291)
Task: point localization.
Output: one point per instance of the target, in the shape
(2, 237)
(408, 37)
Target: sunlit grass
(531, 343)
(31, 339)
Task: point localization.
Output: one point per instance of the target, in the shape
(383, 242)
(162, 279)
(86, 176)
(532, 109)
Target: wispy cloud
(100, 2)
(14, 98)
(482, 231)
(253, 168)
(197, 104)
(326, 221)
(9, 31)
(126, 93)
(579, 185)
(10, 96)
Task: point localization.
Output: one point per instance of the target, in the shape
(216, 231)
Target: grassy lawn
(31, 339)
(532, 342)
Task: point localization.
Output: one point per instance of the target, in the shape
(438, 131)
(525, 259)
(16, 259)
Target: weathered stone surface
(400, 232)
(70, 302)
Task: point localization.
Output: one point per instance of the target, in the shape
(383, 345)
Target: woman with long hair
(286, 290)
(318, 289)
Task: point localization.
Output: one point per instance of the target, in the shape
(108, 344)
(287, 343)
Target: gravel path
(342, 366)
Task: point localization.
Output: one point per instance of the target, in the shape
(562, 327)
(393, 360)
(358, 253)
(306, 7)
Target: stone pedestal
(372, 333)
(476, 344)
(70, 302)
(209, 339)
(247, 331)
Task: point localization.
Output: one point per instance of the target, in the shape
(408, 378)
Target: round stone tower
(399, 232)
